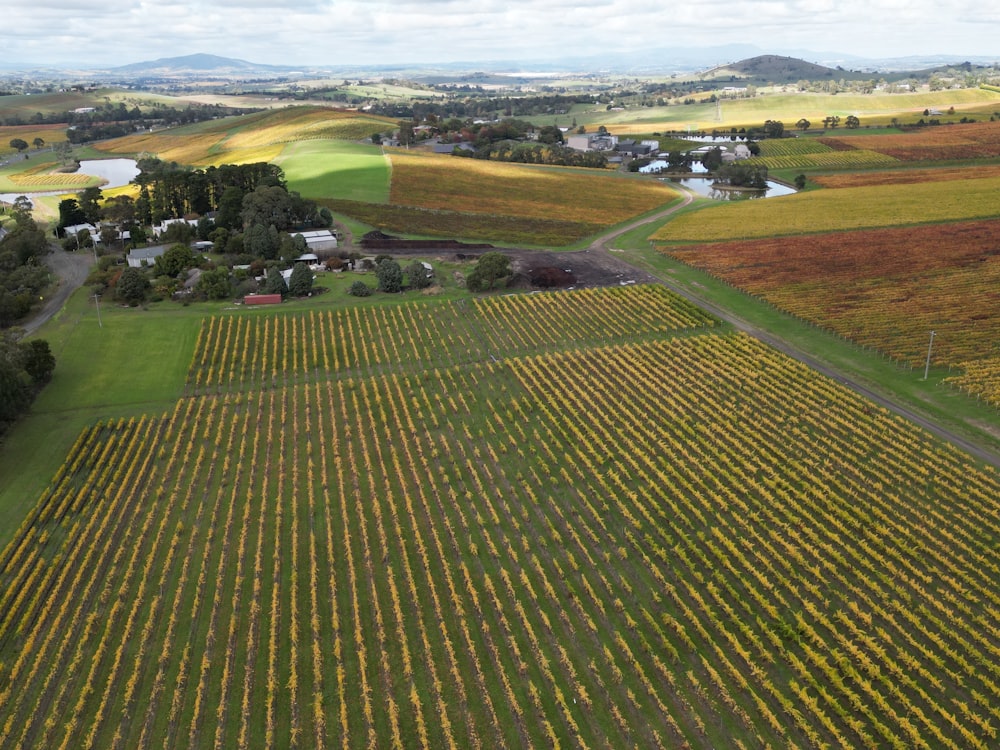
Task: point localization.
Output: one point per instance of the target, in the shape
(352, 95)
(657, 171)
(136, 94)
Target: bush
(390, 276)
(360, 289)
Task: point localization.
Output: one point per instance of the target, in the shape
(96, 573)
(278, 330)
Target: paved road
(71, 269)
(602, 245)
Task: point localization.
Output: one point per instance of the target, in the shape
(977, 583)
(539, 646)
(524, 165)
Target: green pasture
(336, 169)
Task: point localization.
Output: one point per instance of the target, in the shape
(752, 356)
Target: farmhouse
(139, 257)
(165, 224)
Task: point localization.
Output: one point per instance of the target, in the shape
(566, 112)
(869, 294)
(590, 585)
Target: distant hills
(198, 64)
(740, 61)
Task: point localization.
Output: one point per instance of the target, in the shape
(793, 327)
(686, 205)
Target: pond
(703, 186)
(116, 173)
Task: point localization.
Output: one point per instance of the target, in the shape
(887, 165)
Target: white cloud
(325, 32)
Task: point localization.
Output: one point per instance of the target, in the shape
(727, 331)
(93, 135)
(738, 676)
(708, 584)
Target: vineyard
(810, 153)
(884, 290)
(579, 519)
(938, 143)
(849, 208)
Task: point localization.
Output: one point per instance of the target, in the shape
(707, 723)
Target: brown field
(933, 143)
(885, 288)
(905, 176)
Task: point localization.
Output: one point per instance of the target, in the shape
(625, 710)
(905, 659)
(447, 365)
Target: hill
(775, 69)
(198, 64)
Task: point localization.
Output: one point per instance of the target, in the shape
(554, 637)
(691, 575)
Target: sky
(97, 33)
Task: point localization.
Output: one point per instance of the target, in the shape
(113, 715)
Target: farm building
(262, 299)
(319, 240)
(145, 256)
(592, 141)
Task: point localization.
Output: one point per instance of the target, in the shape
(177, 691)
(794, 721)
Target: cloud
(323, 32)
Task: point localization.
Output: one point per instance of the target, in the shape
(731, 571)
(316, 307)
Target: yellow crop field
(255, 137)
(835, 210)
(449, 183)
(184, 149)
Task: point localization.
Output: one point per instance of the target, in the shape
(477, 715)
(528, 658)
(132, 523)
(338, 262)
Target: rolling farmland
(883, 289)
(559, 519)
(849, 208)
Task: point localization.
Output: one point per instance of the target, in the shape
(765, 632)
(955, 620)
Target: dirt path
(71, 270)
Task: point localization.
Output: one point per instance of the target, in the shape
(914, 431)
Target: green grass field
(336, 169)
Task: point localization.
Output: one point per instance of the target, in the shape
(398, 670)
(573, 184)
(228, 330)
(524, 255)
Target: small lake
(703, 186)
(116, 172)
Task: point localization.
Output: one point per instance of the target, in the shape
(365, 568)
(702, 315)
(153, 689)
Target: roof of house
(147, 253)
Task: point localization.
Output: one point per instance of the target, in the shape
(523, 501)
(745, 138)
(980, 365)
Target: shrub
(360, 289)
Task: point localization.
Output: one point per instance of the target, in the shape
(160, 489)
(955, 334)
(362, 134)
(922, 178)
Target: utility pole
(97, 301)
(927, 365)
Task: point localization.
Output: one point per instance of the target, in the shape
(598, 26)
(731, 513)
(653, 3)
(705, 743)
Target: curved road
(71, 270)
(981, 453)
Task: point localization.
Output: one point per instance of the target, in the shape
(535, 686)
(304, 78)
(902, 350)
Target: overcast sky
(97, 33)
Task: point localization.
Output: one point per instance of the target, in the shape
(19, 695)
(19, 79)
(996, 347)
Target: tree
(19, 144)
(64, 150)
(300, 281)
(419, 276)
(800, 181)
(852, 122)
(70, 213)
(490, 268)
(359, 289)
(230, 206)
(90, 204)
(215, 284)
(275, 283)
(38, 143)
(109, 236)
(774, 128)
(803, 124)
(712, 159)
(390, 276)
(38, 360)
(174, 261)
(132, 286)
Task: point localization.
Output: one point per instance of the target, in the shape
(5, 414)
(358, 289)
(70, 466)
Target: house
(139, 257)
(74, 231)
(165, 224)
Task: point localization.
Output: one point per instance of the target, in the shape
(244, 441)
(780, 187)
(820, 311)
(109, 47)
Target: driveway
(71, 271)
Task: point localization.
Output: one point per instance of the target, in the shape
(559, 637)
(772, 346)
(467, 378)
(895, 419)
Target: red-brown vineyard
(656, 535)
(885, 289)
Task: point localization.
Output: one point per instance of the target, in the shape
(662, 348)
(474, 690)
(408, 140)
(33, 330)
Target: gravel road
(71, 269)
